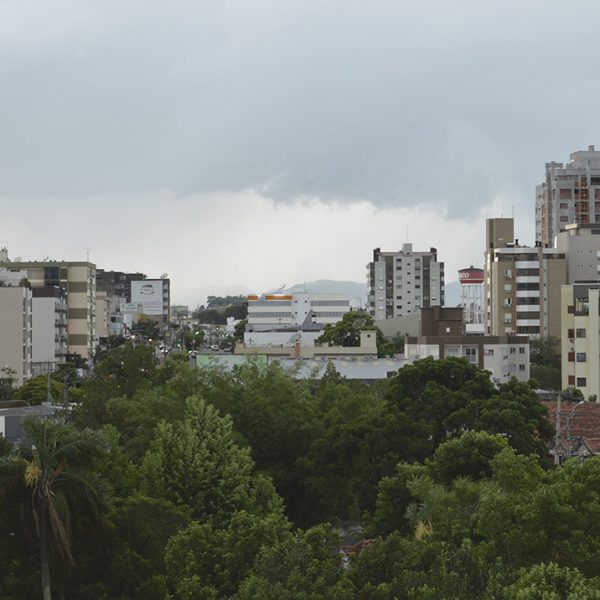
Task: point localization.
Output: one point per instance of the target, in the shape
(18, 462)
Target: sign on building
(148, 294)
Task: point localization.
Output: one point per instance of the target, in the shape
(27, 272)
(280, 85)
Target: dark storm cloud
(444, 103)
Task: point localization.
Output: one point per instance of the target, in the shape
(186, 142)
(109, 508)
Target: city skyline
(234, 146)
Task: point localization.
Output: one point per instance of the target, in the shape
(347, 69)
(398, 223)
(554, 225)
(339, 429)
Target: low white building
(503, 356)
(271, 311)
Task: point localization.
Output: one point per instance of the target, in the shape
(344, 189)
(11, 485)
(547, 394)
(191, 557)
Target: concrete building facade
(570, 193)
(153, 299)
(580, 340)
(49, 328)
(401, 282)
(503, 356)
(521, 284)
(78, 279)
(581, 246)
(16, 333)
(273, 311)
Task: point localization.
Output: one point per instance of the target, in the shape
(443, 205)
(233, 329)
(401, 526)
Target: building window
(512, 350)
(581, 382)
(521, 368)
(471, 354)
(580, 333)
(570, 333)
(521, 350)
(571, 356)
(581, 357)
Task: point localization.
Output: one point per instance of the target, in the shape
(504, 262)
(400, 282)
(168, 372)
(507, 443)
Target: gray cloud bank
(449, 104)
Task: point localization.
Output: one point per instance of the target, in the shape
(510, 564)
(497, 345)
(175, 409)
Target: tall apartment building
(570, 193)
(521, 284)
(15, 332)
(580, 340)
(78, 279)
(581, 245)
(116, 283)
(401, 282)
(49, 328)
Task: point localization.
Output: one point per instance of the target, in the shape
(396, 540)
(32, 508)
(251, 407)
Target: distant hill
(329, 286)
(358, 290)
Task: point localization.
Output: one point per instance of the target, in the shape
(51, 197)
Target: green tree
(214, 317)
(469, 455)
(239, 330)
(122, 372)
(203, 561)
(7, 380)
(346, 332)
(197, 463)
(552, 582)
(146, 329)
(514, 411)
(434, 391)
(275, 417)
(237, 311)
(302, 566)
(52, 475)
(35, 390)
(545, 362)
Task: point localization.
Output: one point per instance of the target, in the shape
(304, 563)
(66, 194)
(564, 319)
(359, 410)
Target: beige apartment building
(402, 282)
(580, 341)
(521, 284)
(581, 245)
(570, 193)
(15, 333)
(78, 279)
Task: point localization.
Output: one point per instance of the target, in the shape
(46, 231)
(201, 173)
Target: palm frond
(60, 524)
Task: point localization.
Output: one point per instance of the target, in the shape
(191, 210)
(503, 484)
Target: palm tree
(51, 474)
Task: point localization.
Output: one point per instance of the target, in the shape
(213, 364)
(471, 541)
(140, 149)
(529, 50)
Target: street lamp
(557, 438)
(570, 415)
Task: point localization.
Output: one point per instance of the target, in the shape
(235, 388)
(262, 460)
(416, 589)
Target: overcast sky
(240, 145)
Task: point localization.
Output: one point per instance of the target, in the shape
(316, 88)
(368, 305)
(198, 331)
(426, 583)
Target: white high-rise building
(570, 193)
(404, 281)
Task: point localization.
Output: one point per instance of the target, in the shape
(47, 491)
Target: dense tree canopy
(252, 484)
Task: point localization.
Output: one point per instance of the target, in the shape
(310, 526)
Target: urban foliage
(177, 483)
(346, 332)
(545, 362)
(219, 308)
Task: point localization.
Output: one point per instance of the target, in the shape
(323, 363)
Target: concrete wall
(366, 369)
(15, 332)
(503, 356)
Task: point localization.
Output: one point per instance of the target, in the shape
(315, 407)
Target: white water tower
(471, 298)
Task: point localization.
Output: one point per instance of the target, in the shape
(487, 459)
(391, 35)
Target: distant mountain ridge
(328, 286)
(356, 290)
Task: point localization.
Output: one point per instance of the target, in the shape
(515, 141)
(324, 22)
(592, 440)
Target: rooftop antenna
(87, 254)
(513, 211)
